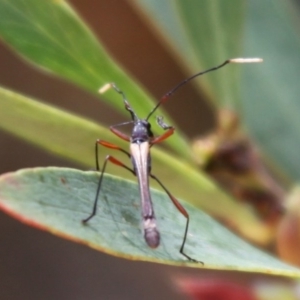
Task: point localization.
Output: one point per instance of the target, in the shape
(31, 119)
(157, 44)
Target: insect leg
(120, 134)
(183, 211)
(164, 136)
(107, 145)
(114, 161)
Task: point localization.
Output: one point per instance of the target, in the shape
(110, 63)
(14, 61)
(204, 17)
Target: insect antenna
(228, 61)
(126, 103)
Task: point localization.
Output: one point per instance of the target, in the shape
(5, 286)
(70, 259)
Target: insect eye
(146, 124)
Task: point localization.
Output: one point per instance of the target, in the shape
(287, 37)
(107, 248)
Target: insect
(141, 140)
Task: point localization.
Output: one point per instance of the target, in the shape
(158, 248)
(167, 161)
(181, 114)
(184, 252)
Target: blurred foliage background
(36, 265)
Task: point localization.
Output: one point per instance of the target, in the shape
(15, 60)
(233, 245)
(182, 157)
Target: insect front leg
(169, 131)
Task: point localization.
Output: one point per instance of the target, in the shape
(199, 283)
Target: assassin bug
(141, 140)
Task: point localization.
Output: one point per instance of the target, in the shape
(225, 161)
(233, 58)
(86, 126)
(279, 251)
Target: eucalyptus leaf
(266, 95)
(57, 199)
(54, 130)
(52, 36)
(270, 99)
(202, 34)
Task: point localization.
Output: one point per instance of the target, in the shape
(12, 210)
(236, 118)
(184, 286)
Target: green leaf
(57, 199)
(74, 137)
(52, 129)
(271, 93)
(202, 35)
(52, 36)
(211, 31)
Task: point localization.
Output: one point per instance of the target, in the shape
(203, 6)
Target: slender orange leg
(120, 134)
(183, 211)
(164, 136)
(107, 145)
(163, 125)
